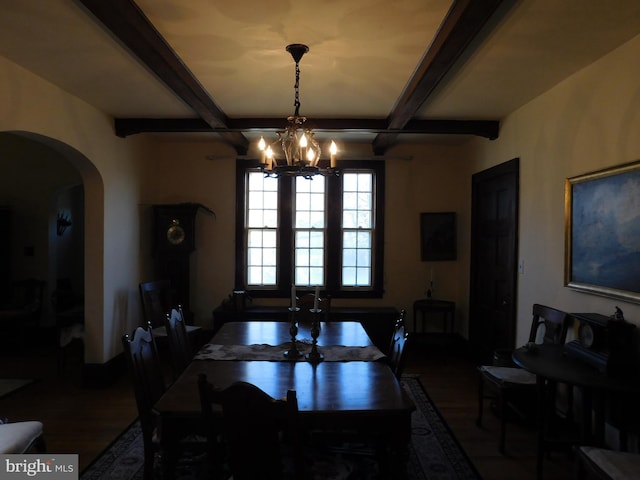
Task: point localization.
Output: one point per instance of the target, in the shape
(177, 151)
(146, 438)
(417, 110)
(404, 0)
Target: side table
(426, 306)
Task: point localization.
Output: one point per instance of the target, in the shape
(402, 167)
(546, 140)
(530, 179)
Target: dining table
(353, 388)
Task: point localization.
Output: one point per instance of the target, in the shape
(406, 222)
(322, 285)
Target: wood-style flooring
(86, 420)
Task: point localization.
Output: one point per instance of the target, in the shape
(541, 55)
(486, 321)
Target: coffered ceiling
(378, 72)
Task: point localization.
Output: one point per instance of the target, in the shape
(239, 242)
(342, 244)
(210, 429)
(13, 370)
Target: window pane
(316, 276)
(350, 219)
(316, 258)
(349, 256)
(255, 256)
(349, 276)
(357, 254)
(269, 238)
(363, 277)
(309, 221)
(364, 258)
(262, 222)
(302, 239)
(364, 239)
(269, 257)
(316, 239)
(302, 257)
(350, 200)
(269, 276)
(302, 276)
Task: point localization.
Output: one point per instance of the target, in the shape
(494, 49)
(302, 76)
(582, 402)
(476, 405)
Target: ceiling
(378, 72)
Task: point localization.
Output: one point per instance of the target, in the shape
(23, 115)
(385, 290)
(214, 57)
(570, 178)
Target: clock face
(175, 233)
(586, 335)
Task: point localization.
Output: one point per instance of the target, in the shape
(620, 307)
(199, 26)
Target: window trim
(334, 234)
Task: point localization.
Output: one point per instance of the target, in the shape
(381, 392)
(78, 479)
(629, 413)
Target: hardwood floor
(86, 420)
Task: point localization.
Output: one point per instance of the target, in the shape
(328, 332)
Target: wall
(418, 179)
(588, 122)
(583, 124)
(110, 171)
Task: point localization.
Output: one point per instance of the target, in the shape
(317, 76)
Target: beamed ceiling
(378, 72)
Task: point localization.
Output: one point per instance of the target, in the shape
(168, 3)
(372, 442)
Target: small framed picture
(438, 236)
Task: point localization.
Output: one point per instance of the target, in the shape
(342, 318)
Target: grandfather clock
(174, 235)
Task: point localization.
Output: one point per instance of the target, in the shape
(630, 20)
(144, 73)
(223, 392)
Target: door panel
(494, 241)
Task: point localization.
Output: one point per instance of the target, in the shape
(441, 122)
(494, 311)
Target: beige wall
(418, 179)
(110, 171)
(588, 122)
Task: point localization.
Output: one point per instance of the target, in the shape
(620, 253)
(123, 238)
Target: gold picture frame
(602, 232)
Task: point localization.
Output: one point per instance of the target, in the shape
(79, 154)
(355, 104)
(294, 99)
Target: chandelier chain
(296, 102)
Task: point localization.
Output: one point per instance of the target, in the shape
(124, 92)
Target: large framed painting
(438, 236)
(602, 232)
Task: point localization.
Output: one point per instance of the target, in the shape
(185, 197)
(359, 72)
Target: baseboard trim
(98, 375)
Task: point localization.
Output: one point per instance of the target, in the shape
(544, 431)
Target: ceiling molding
(463, 22)
(133, 29)
(132, 126)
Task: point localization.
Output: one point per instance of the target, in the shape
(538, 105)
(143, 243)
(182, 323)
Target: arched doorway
(44, 184)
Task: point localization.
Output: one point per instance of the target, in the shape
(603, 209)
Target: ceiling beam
(127, 22)
(463, 22)
(483, 128)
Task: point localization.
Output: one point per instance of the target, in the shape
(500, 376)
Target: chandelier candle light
(301, 150)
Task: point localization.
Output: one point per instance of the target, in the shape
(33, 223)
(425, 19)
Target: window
(326, 231)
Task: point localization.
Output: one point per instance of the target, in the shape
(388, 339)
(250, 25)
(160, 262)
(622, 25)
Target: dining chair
(157, 300)
(147, 377)
(306, 303)
(398, 346)
(180, 346)
(253, 426)
(148, 385)
(22, 437)
(505, 384)
(400, 321)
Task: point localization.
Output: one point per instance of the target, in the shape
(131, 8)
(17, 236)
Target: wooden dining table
(332, 395)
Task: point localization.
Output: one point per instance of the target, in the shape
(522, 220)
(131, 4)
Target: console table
(377, 321)
(551, 365)
(445, 308)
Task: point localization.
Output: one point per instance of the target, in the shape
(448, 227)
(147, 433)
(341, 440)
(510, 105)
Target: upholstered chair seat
(20, 437)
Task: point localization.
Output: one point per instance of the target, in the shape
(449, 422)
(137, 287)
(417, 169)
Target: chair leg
(503, 421)
(480, 402)
(39, 445)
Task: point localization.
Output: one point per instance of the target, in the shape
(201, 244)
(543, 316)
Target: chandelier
(301, 150)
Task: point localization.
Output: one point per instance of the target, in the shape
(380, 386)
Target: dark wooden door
(494, 252)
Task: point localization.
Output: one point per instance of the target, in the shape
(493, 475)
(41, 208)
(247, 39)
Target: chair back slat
(180, 346)
(554, 322)
(398, 346)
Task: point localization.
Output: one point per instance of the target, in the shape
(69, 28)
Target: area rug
(434, 452)
(10, 385)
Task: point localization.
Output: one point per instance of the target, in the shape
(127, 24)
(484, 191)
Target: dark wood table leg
(542, 423)
(398, 449)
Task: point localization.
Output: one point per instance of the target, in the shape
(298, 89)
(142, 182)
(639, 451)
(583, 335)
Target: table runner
(332, 353)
